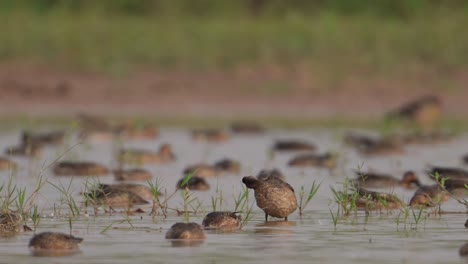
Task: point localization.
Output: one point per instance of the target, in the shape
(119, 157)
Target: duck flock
(273, 195)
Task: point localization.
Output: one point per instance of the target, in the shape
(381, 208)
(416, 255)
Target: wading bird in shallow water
(274, 196)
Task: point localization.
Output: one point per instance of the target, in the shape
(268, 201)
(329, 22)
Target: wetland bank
(326, 231)
(372, 182)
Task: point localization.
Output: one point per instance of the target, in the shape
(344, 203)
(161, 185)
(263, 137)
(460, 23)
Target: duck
(10, 223)
(7, 164)
(137, 131)
(138, 156)
(222, 220)
(202, 170)
(54, 244)
(366, 145)
(243, 127)
(293, 145)
(375, 180)
(424, 111)
(326, 160)
(210, 135)
(429, 196)
(186, 231)
(451, 173)
(456, 188)
(220, 167)
(275, 197)
(371, 200)
(273, 173)
(195, 183)
(80, 168)
(141, 190)
(132, 175)
(43, 138)
(117, 198)
(120, 195)
(25, 150)
(228, 166)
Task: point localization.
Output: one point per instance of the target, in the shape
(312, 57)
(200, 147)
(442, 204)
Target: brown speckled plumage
(186, 231)
(222, 220)
(274, 196)
(10, 223)
(53, 242)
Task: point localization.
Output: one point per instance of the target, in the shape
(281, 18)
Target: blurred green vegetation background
(374, 36)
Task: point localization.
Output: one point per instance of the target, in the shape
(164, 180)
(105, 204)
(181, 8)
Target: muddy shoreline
(35, 90)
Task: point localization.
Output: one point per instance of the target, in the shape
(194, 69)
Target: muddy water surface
(139, 238)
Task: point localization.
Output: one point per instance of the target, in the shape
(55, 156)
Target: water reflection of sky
(312, 238)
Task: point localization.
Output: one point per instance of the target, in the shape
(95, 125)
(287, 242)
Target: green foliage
(345, 199)
(67, 196)
(330, 35)
(391, 8)
(305, 200)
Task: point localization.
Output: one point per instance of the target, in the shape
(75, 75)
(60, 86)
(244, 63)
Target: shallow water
(356, 239)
